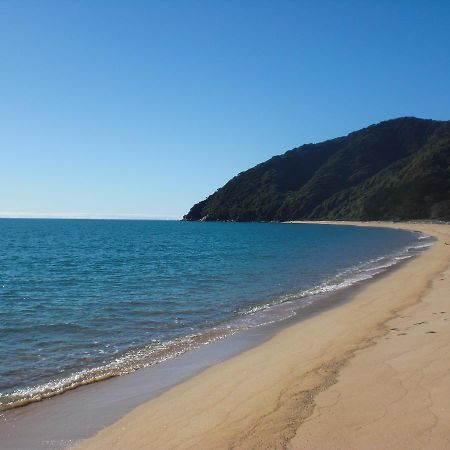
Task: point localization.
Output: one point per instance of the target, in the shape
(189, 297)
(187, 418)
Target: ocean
(85, 300)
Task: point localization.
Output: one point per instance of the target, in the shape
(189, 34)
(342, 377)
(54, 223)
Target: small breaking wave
(124, 364)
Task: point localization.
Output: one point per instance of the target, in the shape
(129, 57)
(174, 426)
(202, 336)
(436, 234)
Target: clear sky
(115, 108)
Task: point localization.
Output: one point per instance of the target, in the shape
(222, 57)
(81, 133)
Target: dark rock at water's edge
(395, 170)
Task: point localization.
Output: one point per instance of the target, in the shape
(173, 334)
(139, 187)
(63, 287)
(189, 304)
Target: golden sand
(372, 373)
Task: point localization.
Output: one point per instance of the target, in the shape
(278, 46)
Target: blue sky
(141, 109)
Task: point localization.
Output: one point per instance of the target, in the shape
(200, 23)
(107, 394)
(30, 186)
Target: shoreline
(264, 396)
(94, 406)
(275, 305)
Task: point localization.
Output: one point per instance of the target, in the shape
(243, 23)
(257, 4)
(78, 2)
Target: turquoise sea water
(82, 300)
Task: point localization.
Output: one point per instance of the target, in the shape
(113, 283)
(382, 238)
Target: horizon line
(86, 216)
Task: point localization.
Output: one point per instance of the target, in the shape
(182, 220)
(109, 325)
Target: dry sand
(372, 373)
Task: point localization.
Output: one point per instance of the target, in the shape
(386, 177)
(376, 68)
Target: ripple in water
(82, 301)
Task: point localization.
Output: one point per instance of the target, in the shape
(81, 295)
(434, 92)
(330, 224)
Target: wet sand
(373, 372)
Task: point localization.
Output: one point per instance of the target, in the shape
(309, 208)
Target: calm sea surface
(82, 300)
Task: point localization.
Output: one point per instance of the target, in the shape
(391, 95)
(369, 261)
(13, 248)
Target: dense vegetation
(396, 170)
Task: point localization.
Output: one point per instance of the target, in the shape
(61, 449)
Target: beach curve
(293, 390)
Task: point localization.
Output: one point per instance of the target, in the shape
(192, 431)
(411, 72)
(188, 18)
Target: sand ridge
(370, 373)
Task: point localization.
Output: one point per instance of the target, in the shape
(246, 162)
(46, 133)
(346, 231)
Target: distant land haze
(398, 169)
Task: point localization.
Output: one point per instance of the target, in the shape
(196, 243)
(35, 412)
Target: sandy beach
(371, 373)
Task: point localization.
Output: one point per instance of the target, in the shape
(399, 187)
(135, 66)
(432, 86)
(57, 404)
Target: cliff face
(395, 170)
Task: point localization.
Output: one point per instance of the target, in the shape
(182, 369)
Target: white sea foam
(401, 258)
(422, 246)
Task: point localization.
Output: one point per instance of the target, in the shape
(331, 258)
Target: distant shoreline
(262, 397)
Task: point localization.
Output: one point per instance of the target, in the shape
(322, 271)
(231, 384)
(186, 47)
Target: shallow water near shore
(64, 420)
(289, 290)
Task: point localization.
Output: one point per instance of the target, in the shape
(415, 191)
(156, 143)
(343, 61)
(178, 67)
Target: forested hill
(395, 170)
